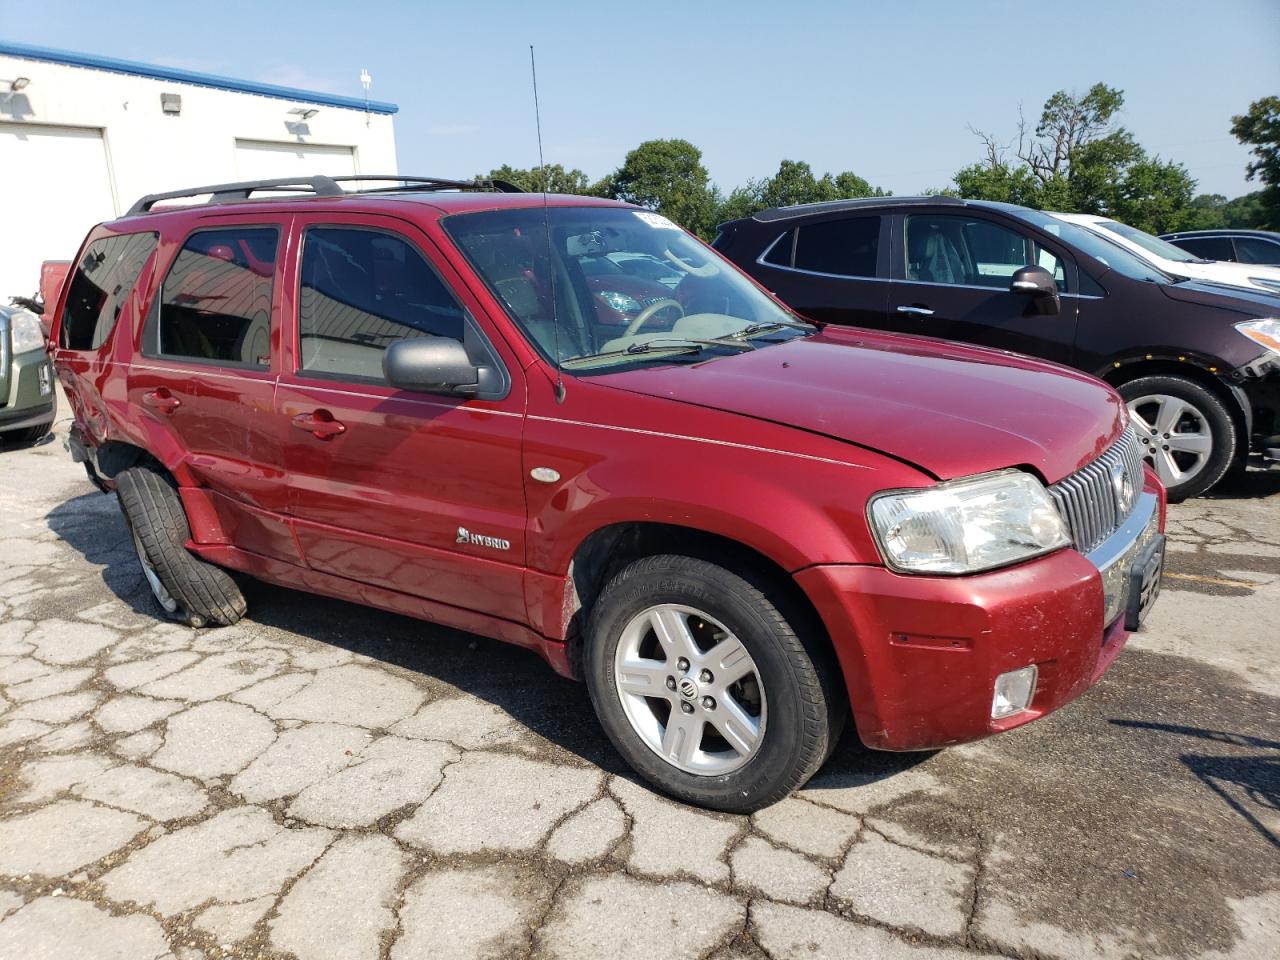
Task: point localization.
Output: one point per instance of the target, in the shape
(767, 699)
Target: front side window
(843, 248)
(99, 287)
(216, 302)
(672, 296)
(969, 251)
(361, 291)
(1257, 250)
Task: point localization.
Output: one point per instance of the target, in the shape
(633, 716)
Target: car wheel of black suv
(187, 588)
(1187, 433)
(706, 688)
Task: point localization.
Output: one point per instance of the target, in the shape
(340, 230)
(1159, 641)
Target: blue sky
(886, 90)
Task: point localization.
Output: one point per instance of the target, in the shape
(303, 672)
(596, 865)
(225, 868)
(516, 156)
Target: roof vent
(171, 103)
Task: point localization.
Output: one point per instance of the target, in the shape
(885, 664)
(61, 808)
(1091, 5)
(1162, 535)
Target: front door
(415, 492)
(952, 274)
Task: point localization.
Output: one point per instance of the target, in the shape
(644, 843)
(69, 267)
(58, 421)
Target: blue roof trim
(28, 52)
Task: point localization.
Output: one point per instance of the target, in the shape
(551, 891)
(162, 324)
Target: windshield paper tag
(656, 220)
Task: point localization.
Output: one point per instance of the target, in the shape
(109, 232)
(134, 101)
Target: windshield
(597, 287)
(1149, 243)
(1106, 252)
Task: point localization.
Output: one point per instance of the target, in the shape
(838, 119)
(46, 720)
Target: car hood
(1244, 300)
(946, 408)
(1221, 271)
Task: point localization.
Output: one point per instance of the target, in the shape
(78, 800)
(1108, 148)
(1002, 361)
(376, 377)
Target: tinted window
(848, 248)
(99, 287)
(362, 290)
(1257, 250)
(216, 301)
(971, 251)
(780, 253)
(1208, 248)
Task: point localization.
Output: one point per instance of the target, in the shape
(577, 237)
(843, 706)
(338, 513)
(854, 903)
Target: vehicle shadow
(1242, 782)
(511, 678)
(1255, 484)
(92, 524)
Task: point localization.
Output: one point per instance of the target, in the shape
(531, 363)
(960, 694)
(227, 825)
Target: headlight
(967, 525)
(620, 301)
(1265, 333)
(25, 330)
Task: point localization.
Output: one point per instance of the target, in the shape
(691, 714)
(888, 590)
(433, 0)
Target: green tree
(1077, 160)
(1259, 127)
(559, 180)
(793, 183)
(667, 176)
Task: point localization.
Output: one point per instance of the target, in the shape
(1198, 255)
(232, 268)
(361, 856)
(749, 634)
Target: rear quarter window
(99, 287)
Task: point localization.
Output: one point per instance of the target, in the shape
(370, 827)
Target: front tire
(1185, 430)
(706, 688)
(187, 588)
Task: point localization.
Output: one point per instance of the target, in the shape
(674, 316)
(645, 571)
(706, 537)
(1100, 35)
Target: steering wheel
(708, 269)
(647, 314)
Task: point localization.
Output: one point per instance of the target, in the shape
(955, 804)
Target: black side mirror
(432, 365)
(1038, 283)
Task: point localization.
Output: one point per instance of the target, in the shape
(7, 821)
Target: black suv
(1197, 363)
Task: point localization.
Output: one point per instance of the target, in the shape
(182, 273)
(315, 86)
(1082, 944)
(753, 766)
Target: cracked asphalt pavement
(326, 781)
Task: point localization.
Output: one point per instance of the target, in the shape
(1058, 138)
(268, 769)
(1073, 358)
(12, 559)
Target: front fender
(796, 509)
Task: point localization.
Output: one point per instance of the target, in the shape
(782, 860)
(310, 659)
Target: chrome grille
(1088, 499)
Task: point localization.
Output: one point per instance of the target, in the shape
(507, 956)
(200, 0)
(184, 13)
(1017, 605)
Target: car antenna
(546, 222)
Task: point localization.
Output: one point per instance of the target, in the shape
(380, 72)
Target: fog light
(1013, 692)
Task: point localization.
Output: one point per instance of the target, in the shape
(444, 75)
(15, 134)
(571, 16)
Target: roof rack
(318, 186)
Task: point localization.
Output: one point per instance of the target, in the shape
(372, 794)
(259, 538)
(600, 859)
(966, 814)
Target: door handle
(161, 400)
(320, 424)
(916, 311)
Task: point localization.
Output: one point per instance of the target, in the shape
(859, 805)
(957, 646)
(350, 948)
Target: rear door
(206, 373)
(951, 280)
(419, 493)
(833, 270)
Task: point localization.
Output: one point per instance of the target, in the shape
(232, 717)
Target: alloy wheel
(1175, 436)
(163, 596)
(690, 689)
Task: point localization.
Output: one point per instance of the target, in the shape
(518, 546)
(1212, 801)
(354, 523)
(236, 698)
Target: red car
(739, 527)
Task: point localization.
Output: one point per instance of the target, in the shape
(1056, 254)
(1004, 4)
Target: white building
(82, 137)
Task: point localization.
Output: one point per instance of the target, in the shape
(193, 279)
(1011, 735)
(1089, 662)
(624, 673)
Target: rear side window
(846, 248)
(216, 301)
(101, 283)
(780, 253)
(1208, 248)
(361, 291)
(1257, 250)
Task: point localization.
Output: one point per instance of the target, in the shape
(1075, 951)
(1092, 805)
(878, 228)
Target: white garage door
(260, 160)
(54, 186)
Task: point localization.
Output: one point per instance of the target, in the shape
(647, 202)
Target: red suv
(732, 523)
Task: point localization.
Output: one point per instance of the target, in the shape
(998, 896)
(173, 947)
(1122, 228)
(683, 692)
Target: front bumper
(921, 655)
(1262, 397)
(27, 399)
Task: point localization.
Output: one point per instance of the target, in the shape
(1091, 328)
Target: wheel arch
(607, 549)
(1197, 370)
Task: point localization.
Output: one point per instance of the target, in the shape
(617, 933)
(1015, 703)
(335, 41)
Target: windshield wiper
(674, 345)
(752, 329)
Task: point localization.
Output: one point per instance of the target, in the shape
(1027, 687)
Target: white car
(1165, 256)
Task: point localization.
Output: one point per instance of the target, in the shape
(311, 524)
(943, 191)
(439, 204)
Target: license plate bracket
(1145, 576)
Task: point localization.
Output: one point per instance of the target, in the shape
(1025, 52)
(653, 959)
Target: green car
(27, 401)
